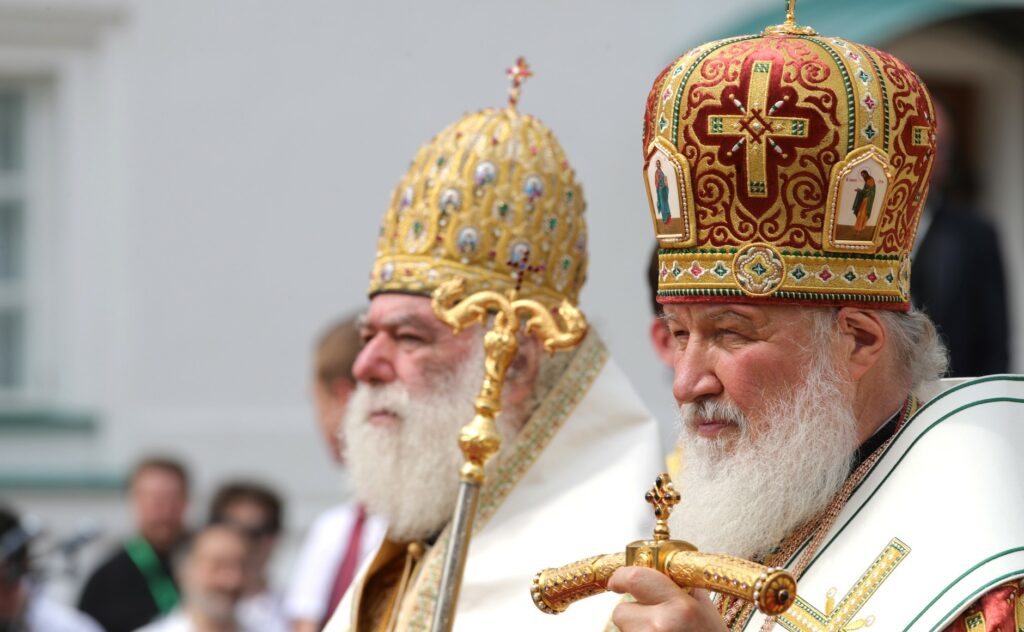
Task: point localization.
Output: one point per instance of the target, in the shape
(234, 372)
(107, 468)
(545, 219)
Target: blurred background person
(257, 511)
(136, 583)
(345, 534)
(213, 579)
(23, 606)
(958, 262)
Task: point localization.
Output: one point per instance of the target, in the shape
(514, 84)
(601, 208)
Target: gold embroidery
(975, 622)
(803, 617)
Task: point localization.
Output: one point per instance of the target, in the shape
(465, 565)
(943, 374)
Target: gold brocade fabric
(378, 590)
(491, 199)
(787, 168)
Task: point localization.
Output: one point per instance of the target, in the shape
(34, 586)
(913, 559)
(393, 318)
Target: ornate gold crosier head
(480, 440)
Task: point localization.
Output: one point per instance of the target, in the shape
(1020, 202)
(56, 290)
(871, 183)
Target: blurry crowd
(166, 577)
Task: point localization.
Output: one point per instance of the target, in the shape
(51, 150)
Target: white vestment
(935, 524)
(571, 486)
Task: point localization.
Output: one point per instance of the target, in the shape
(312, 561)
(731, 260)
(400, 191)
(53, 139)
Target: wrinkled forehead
(392, 309)
(757, 315)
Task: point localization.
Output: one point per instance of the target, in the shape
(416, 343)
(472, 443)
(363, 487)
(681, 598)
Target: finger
(702, 597)
(646, 585)
(628, 617)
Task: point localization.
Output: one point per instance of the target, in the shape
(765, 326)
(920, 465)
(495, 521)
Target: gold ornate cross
(663, 497)
(756, 126)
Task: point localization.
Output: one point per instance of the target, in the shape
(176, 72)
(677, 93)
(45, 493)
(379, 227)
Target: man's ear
(662, 341)
(522, 374)
(864, 330)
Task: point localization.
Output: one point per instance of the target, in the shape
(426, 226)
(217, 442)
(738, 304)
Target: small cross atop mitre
(790, 26)
(517, 74)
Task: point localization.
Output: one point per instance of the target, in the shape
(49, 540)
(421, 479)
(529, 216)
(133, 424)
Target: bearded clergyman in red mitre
(816, 433)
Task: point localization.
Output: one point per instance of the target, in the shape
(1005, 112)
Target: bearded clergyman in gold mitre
(815, 434)
(491, 199)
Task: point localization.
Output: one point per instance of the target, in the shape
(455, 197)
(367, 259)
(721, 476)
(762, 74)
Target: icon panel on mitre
(667, 177)
(857, 200)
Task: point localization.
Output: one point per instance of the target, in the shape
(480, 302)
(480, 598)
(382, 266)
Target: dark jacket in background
(957, 279)
(116, 594)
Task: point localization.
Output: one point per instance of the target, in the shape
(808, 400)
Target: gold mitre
(787, 167)
(492, 199)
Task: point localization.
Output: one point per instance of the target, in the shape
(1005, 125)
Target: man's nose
(695, 374)
(375, 362)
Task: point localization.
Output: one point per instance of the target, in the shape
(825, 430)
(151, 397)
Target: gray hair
(919, 356)
(917, 348)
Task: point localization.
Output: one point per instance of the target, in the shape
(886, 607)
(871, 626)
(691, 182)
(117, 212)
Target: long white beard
(409, 473)
(745, 497)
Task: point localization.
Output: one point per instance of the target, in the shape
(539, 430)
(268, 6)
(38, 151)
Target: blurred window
(14, 303)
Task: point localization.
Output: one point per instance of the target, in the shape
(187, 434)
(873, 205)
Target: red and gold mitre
(492, 199)
(787, 167)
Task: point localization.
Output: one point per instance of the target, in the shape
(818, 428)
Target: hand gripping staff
(773, 590)
(480, 440)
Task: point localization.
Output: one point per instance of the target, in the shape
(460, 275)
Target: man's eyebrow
(729, 313)
(406, 320)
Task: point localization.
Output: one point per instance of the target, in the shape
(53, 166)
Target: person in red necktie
(342, 536)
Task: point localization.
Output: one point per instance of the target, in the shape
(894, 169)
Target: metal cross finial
(663, 497)
(789, 27)
(516, 75)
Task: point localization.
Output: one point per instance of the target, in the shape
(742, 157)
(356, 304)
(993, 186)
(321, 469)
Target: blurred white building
(191, 189)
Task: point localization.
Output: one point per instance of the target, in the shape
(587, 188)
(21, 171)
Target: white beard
(409, 473)
(745, 497)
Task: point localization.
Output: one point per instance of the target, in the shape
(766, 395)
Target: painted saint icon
(863, 202)
(661, 184)
(468, 240)
(667, 179)
(533, 186)
(860, 201)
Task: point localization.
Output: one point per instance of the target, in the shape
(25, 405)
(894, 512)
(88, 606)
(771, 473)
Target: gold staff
(480, 440)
